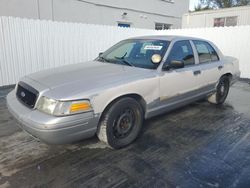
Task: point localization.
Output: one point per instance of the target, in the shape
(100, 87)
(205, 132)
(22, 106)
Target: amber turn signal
(82, 106)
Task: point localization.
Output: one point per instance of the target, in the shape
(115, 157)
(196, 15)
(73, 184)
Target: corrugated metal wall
(28, 46)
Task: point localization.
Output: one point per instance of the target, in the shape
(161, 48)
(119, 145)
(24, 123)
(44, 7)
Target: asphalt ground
(200, 145)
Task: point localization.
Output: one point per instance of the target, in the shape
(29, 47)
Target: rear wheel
(222, 90)
(121, 123)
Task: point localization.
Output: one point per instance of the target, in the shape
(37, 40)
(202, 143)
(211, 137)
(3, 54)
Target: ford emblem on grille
(22, 94)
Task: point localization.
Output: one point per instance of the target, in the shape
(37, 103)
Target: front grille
(27, 94)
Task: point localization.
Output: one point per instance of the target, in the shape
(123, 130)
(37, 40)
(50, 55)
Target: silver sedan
(136, 79)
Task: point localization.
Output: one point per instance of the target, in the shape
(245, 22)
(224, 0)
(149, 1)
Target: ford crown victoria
(136, 79)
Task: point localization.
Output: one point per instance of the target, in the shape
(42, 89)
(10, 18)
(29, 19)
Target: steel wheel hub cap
(222, 89)
(124, 124)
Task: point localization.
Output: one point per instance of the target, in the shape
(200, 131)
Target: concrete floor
(200, 145)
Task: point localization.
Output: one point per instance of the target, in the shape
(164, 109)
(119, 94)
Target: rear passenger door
(209, 65)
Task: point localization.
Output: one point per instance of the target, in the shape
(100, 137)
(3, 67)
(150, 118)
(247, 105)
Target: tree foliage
(215, 4)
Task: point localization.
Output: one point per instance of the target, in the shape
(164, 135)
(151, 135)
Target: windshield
(135, 52)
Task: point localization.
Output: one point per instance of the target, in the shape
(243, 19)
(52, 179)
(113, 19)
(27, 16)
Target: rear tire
(121, 123)
(221, 93)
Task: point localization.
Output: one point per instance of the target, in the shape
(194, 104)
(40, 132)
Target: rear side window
(182, 51)
(206, 52)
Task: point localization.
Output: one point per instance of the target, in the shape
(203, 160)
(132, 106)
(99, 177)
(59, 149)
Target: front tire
(221, 93)
(121, 123)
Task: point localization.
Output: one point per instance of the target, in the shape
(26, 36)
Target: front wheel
(221, 93)
(121, 123)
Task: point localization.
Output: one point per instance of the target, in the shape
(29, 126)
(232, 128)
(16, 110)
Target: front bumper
(51, 129)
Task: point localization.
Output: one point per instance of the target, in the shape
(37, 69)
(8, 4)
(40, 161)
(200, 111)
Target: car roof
(166, 37)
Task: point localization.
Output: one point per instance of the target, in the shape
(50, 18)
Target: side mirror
(175, 64)
(100, 54)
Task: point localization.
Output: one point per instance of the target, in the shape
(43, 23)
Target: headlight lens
(46, 105)
(60, 108)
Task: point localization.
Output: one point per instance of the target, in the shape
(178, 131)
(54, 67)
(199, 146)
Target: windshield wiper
(124, 61)
(103, 59)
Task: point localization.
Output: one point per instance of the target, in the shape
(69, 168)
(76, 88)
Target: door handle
(197, 72)
(220, 67)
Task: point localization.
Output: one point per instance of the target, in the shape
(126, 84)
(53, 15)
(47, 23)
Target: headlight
(46, 105)
(60, 108)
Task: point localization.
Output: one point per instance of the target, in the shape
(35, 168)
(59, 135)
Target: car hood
(87, 76)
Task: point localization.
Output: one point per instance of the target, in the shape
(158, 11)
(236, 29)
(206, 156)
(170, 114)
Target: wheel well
(229, 75)
(137, 97)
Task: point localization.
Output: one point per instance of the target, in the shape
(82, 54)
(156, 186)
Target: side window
(182, 51)
(214, 55)
(205, 51)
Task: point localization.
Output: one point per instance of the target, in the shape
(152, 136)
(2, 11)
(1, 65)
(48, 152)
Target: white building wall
(140, 13)
(206, 18)
(19, 8)
(45, 9)
(77, 11)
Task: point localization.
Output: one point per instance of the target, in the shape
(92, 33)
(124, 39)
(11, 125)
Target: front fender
(148, 89)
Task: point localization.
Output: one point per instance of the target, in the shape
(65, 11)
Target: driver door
(178, 86)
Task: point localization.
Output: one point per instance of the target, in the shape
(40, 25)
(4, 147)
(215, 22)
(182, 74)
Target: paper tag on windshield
(152, 47)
